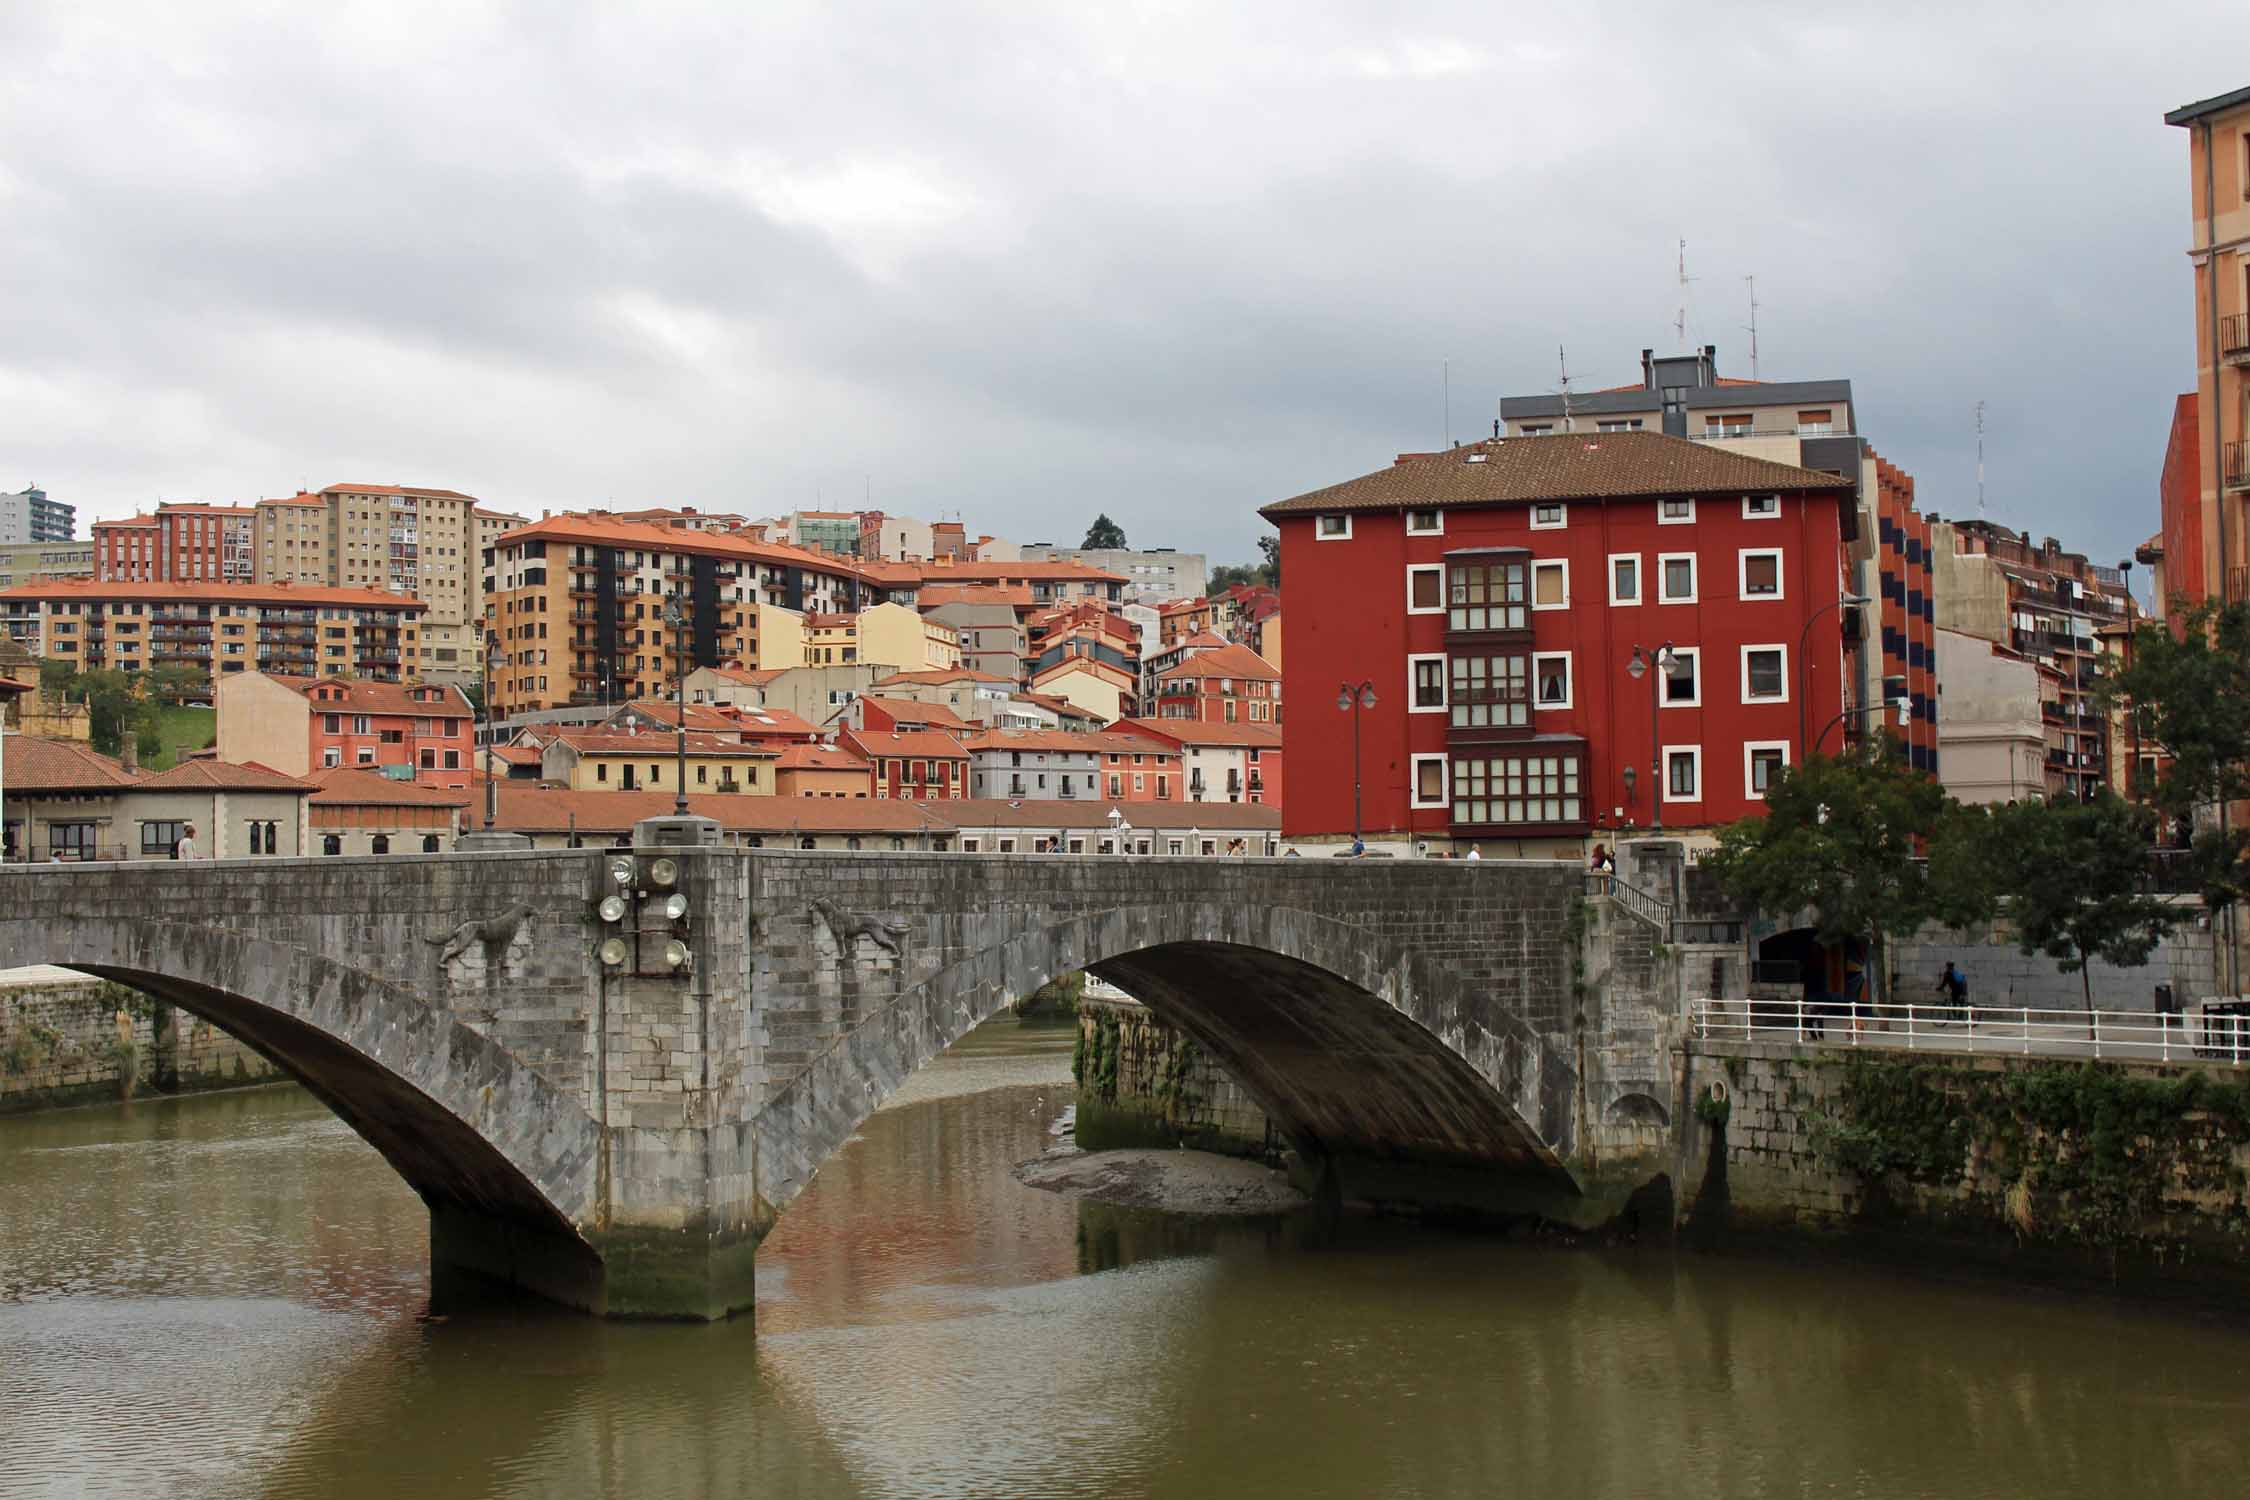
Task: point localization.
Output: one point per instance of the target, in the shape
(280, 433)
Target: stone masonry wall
(60, 1045)
(1761, 1161)
(1143, 1083)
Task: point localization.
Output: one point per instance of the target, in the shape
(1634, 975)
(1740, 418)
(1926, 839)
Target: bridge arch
(508, 1164)
(1354, 1048)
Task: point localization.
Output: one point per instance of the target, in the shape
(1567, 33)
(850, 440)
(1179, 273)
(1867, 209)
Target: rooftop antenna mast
(1980, 460)
(1562, 364)
(1680, 323)
(1753, 281)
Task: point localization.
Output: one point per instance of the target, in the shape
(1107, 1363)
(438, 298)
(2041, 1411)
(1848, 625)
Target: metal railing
(1655, 912)
(2213, 1030)
(2234, 335)
(2237, 465)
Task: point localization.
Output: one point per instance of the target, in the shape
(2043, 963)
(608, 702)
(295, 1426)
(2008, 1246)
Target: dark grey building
(29, 516)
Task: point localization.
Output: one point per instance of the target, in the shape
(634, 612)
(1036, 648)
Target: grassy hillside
(183, 729)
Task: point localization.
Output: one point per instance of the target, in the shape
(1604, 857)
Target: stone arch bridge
(618, 1130)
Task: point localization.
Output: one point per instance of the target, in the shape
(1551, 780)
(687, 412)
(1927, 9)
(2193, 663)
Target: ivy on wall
(2083, 1149)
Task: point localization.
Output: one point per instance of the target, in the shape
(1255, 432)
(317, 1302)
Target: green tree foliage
(55, 676)
(1270, 548)
(2190, 693)
(115, 705)
(1839, 837)
(177, 683)
(2074, 874)
(1104, 533)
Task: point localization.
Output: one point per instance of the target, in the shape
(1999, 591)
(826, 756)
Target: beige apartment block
(2217, 526)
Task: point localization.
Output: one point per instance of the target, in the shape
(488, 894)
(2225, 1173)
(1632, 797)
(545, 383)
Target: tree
(1839, 837)
(148, 743)
(2073, 872)
(2190, 693)
(1104, 534)
(175, 682)
(1226, 575)
(114, 707)
(1270, 548)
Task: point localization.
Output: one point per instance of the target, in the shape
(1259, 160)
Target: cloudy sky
(1020, 263)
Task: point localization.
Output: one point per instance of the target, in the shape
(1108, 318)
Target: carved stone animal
(846, 926)
(493, 932)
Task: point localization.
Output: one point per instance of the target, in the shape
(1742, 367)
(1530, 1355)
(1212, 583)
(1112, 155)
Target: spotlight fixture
(621, 870)
(613, 908)
(613, 951)
(675, 954)
(663, 873)
(675, 907)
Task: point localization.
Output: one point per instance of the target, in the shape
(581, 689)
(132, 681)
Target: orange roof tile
(1197, 732)
(1057, 740)
(820, 758)
(941, 678)
(345, 786)
(43, 765)
(1229, 660)
(610, 531)
(909, 711)
(937, 596)
(68, 589)
(913, 744)
(225, 776)
(362, 696)
(660, 743)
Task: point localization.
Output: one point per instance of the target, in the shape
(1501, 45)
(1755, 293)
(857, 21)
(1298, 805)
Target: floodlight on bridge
(621, 870)
(675, 954)
(613, 951)
(613, 908)
(663, 873)
(675, 907)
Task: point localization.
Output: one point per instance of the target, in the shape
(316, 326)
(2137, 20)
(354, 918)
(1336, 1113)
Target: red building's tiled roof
(1228, 660)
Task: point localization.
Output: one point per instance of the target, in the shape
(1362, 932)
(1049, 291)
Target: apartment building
(28, 515)
(1138, 767)
(1226, 684)
(890, 538)
(2206, 528)
(220, 628)
(419, 732)
(1033, 765)
(179, 542)
(911, 764)
(1047, 582)
(2047, 607)
(1151, 574)
(889, 635)
(991, 624)
(36, 562)
(1580, 632)
(578, 605)
(1806, 424)
(1220, 763)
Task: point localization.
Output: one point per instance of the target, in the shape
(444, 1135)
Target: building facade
(179, 543)
(1033, 764)
(219, 628)
(2210, 527)
(578, 606)
(1228, 684)
(416, 732)
(1561, 635)
(1151, 575)
(28, 515)
(38, 562)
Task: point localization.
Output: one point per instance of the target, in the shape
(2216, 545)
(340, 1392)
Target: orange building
(219, 628)
(2213, 529)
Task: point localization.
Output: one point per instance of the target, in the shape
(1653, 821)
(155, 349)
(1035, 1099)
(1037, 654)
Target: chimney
(1648, 369)
(128, 753)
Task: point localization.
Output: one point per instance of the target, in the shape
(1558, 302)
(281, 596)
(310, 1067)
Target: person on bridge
(1954, 987)
(185, 848)
(1474, 853)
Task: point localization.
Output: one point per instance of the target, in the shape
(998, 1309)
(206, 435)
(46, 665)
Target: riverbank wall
(1140, 1083)
(2127, 1175)
(69, 1039)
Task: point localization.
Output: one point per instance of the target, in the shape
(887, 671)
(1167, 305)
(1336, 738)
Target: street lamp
(1352, 700)
(1672, 665)
(675, 620)
(1803, 638)
(491, 660)
(1117, 829)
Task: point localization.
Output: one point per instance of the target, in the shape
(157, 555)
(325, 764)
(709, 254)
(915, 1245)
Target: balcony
(2234, 339)
(2236, 469)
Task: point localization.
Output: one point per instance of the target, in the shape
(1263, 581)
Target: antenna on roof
(1681, 322)
(1980, 460)
(1753, 281)
(1562, 363)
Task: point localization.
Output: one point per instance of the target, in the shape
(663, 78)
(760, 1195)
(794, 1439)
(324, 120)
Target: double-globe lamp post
(1671, 665)
(1352, 700)
(491, 660)
(675, 620)
(1804, 638)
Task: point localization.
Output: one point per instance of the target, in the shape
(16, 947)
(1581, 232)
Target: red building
(1498, 595)
(1220, 762)
(1906, 616)
(415, 732)
(178, 544)
(2180, 494)
(1138, 767)
(916, 764)
(1227, 684)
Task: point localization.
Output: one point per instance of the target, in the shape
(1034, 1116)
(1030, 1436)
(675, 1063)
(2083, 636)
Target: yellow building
(219, 628)
(608, 760)
(889, 635)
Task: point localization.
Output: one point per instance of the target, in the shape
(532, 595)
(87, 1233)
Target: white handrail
(2216, 1031)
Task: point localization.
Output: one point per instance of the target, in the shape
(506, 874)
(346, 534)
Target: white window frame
(1414, 568)
(1569, 680)
(1561, 509)
(1779, 646)
(1665, 520)
(1533, 580)
(1694, 753)
(1664, 689)
(1414, 530)
(1322, 534)
(1695, 577)
(1761, 515)
(1640, 577)
(1414, 781)
(1742, 575)
(1445, 691)
(1750, 792)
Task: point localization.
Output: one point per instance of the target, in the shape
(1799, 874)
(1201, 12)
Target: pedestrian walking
(185, 848)
(1955, 988)
(1474, 852)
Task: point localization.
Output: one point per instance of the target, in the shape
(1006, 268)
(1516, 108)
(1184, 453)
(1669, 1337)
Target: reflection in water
(221, 1296)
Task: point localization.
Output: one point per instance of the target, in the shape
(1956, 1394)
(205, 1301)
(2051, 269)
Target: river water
(224, 1296)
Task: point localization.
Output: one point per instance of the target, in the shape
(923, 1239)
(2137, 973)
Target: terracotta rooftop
(394, 489)
(909, 711)
(1119, 739)
(41, 765)
(611, 531)
(1227, 819)
(222, 776)
(535, 809)
(1055, 741)
(943, 678)
(1229, 660)
(819, 758)
(1049, 572)
(910, 744)
(363, 696)
(659, 743)
(938, 595)
(67, 589)
(1197, 732)
(345, 786)
(1059, 705)
(1567, 466)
